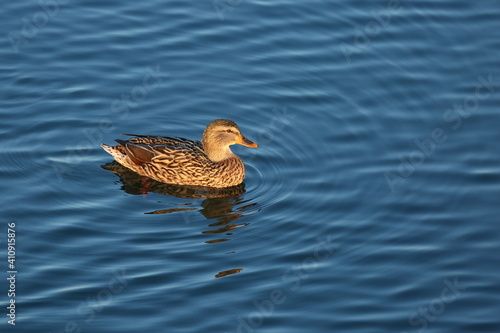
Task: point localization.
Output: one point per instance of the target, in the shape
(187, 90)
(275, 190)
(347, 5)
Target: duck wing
(169, 152)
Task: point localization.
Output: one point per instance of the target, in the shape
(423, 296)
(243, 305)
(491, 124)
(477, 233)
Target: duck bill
(245, 142)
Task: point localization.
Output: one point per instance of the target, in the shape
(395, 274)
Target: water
(371, 204)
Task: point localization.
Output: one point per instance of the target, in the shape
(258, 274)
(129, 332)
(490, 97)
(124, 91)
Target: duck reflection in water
(223, 204)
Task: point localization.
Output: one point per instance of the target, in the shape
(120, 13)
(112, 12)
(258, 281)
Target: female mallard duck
(186, 162)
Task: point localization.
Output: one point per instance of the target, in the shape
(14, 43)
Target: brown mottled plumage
(186, 162)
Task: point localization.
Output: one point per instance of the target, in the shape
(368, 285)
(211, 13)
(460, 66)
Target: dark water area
(371, 204)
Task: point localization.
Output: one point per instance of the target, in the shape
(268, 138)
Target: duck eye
(229, 131)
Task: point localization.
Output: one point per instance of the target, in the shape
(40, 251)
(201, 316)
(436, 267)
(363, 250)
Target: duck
(175, 160)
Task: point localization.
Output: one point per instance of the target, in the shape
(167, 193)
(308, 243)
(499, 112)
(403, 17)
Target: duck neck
(216, 153)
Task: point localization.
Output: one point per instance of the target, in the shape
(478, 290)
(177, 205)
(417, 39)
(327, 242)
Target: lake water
(371, 204)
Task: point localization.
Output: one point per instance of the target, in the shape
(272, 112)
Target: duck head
(219, 135)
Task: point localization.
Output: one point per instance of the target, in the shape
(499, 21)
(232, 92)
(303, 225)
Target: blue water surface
(371, 204)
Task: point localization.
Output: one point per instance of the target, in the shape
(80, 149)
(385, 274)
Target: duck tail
(116, 151)
(109, 149)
